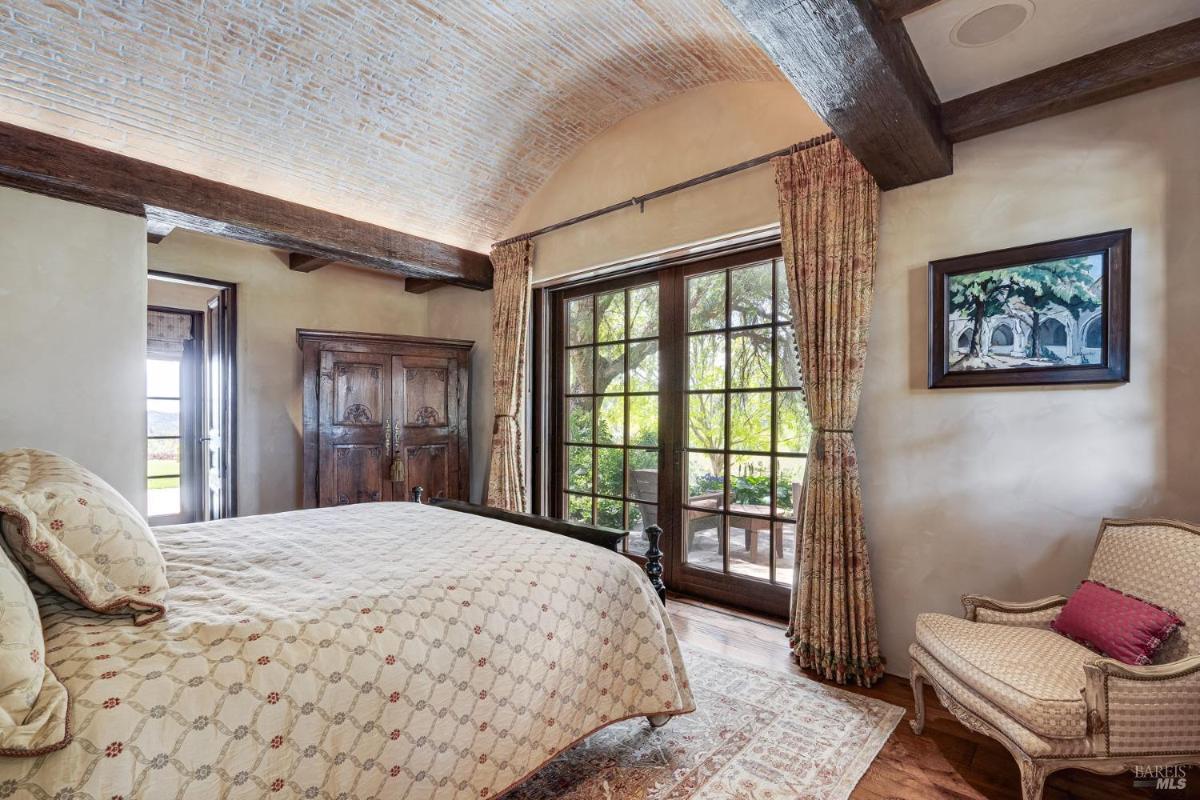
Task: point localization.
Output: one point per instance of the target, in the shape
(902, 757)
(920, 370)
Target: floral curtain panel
(829, 216)
(513, 265)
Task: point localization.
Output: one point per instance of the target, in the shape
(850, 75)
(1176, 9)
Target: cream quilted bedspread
(373, 651)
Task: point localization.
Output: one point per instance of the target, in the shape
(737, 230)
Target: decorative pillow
(34, 708)
(1118, 625)
(79, 535)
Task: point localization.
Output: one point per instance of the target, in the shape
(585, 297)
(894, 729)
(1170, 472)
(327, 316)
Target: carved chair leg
(918, 686)
(1033, 779)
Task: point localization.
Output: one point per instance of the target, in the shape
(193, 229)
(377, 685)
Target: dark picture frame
(1090, 312)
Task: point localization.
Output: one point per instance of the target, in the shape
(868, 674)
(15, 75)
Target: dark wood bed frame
(592, 534)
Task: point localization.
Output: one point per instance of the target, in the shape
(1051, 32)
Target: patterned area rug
(756, 734)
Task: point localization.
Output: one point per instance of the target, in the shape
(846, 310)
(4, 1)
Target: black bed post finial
(417, 491)
(654, 567)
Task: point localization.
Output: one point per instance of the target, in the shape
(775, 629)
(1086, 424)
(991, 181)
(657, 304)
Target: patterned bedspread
(373, 651)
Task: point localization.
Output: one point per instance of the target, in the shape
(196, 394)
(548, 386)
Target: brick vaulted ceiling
(438, 118)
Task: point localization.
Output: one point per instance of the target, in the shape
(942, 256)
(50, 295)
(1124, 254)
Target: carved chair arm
(1033, 614)
(1150, 709)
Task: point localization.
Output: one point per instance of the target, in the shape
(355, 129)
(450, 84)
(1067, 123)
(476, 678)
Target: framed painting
(1056, 312)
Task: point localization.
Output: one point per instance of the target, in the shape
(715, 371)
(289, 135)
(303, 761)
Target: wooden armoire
(383, 414)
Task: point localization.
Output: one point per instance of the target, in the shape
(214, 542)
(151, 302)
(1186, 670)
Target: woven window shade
(166, 333)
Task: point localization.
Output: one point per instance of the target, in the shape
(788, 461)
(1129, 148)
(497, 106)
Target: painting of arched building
(1047, 314)
(1060, 337)
(1054, 312)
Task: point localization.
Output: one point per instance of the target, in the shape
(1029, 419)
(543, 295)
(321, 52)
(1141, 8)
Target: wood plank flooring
(948, 761)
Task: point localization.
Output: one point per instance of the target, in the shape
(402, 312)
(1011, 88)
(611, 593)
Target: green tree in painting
(1025, 291)
(1068, 283)
(979, 295)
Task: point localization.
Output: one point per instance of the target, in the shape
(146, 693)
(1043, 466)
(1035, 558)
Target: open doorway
(191, 401)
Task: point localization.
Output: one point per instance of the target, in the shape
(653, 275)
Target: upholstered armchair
(1055, 704)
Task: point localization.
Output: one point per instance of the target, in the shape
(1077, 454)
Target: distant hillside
(162, 423)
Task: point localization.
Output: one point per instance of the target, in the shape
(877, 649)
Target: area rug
(756, 734)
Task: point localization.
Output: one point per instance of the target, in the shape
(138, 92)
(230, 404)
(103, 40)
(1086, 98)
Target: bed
(376, 650)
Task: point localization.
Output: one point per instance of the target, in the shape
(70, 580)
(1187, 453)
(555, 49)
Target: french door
(675, 399)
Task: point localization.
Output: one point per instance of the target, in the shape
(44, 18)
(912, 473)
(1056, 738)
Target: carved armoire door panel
(426, 396)
(383, 414)
(355, 427)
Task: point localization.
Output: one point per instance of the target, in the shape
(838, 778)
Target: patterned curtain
(829, 216)
(513, 264)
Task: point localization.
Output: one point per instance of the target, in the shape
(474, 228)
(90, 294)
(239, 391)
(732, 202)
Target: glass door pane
(746, 426)
(693, 370)
(163, 434)
(609, 413)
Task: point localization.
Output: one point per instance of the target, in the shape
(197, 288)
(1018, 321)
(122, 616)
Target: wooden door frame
(191, 413)
(538, 397)
(229, 392)
(546, 457)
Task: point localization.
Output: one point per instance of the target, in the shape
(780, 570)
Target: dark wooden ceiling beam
(1147, 62)
(861, 74)
(68, 170)
(421, 285)
(895, 9)
(301, 262)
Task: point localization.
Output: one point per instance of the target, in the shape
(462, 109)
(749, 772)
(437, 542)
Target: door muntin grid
(610, 413)
(746, 426)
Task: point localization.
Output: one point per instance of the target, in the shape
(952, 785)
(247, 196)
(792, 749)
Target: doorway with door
(190, 399)
(674, 398)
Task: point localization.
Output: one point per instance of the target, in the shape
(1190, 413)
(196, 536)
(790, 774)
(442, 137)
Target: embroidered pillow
(79, 535)
(1118, 625)
(34, 706)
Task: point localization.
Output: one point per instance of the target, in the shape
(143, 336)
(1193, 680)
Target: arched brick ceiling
(438, 118)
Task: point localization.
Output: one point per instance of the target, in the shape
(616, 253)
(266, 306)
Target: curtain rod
(641, 200)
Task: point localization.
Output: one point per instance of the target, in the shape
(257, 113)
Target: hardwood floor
(948, 761)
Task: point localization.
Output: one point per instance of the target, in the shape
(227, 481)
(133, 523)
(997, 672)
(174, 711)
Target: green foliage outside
(158, 466)
(757, 359)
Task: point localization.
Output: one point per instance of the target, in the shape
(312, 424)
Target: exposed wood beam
(1147, 62)
(895, 9)
(306, 263)
(421, 285)
(62, 168)
(860, 73)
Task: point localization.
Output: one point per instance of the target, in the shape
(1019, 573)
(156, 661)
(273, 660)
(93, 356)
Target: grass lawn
(162, 466)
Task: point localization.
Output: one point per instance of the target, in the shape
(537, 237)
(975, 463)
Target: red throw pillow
(1118, 625)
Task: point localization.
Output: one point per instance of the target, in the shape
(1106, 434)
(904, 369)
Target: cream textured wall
(273, 301)
(990, 490)
(1001, 491)
(189, 296)
(456, 313)
(693, 133)
(73, 335)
